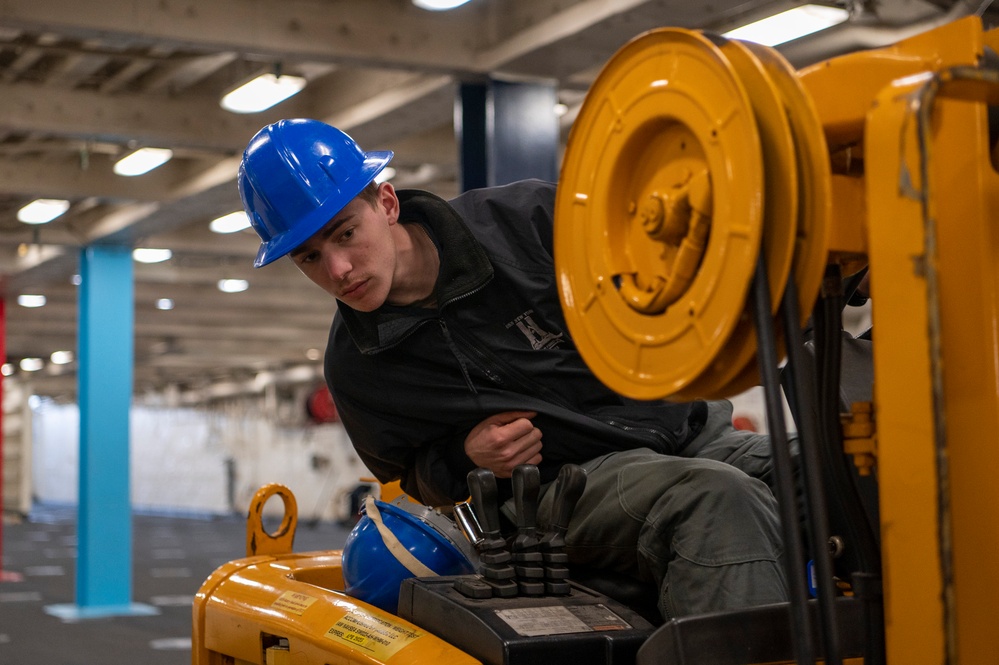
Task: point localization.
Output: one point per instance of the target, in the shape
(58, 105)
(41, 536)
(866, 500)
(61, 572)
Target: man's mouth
(353, 288)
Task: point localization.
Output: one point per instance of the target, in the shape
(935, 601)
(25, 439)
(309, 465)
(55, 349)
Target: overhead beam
(196, 122)
(334, 32)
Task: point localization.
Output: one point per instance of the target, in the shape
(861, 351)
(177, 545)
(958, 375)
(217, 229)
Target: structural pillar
(105, 356)
(506, 132)
(5, 576)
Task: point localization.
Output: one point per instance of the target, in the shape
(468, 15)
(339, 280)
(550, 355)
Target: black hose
(857, 530)
(802, 399)
(801, 634)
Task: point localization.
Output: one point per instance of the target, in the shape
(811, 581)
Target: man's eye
(347, 235)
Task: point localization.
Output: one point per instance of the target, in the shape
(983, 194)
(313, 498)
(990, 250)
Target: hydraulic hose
(802, 399)
(802, 639)
(844, 497)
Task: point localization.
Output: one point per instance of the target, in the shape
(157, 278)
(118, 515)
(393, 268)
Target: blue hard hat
(381, 549)
(295, 176)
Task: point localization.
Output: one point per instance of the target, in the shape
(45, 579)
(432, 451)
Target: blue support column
(506, 132)
(105, 356)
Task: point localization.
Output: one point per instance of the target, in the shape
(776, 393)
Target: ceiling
(84, 83)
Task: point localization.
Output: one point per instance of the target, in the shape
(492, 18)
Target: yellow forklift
(716, 209)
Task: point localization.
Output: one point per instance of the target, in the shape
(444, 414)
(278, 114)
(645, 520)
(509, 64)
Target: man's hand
(503, 441)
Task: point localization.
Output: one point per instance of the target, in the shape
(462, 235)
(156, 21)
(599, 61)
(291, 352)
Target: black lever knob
(485, 500)
(526, 487)
(569, 488)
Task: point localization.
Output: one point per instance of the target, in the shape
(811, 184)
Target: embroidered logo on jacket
(536, 336)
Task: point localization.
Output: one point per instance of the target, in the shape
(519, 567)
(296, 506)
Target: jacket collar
(464, 269)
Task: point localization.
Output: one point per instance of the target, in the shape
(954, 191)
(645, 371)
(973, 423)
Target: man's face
(353, 257)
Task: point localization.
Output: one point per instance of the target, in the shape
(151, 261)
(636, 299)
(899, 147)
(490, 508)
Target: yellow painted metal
(248, 609)
(858, 436)
(665, 112)
(780, 219)
(961, 193)
(258, 539)
(843, 88)
(933, 197)
(299, 598)
(815, 198)
(848, 238)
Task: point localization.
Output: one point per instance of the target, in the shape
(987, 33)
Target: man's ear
(389, 202)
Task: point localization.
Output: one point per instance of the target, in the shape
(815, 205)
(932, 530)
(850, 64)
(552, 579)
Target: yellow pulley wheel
(659, 213)
(780, 217)
(815, 193)
(814, 176)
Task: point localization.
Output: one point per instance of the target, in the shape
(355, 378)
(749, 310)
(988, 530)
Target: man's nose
(337, 265)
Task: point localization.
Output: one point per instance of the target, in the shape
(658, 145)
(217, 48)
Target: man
(449, 351)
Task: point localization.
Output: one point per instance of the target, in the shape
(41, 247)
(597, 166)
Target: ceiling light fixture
(234, 221)
(233, 285)
(142, 161)
(150, 255)
(7, 369)
(27, 300)
(262, 93)
(31, 364)
(164, 304)
(42, 211)
(438, 5)
(385, 175)
(789, 25)
(61, 357)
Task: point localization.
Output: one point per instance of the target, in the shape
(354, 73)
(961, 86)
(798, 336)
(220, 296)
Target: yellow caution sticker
(378, 637)
(294, 602)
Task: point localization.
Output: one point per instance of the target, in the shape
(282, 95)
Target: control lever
(527, 559)
(494, 558)
(465, 519)
(569, 487)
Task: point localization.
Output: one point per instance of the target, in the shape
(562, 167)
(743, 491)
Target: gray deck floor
(171, 558)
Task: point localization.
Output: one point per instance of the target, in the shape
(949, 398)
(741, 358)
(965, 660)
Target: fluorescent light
(262, 93)
(313, 354)
(27, 300)
(789, 25)
(42, 211)
(234, 221)
(31, 364)
(76, 280)
(61, 357)
(164, 304)
(7, 369)
(142, 161)
(385, 175)
(233, 285)
(150, 255)
(438, 5)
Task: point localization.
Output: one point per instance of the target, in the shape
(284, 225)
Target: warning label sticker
(561, 619)
(294, 602)
(379, 637)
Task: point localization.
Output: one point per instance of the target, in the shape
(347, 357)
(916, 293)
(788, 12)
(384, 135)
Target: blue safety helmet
(395, 541)
(295, 176)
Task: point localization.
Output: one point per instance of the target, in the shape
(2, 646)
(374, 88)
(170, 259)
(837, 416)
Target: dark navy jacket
(410, 383)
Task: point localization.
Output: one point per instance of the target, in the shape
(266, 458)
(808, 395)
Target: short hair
(370, 194)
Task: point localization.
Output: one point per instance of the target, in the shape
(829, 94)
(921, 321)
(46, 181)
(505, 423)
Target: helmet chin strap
(398, 550)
